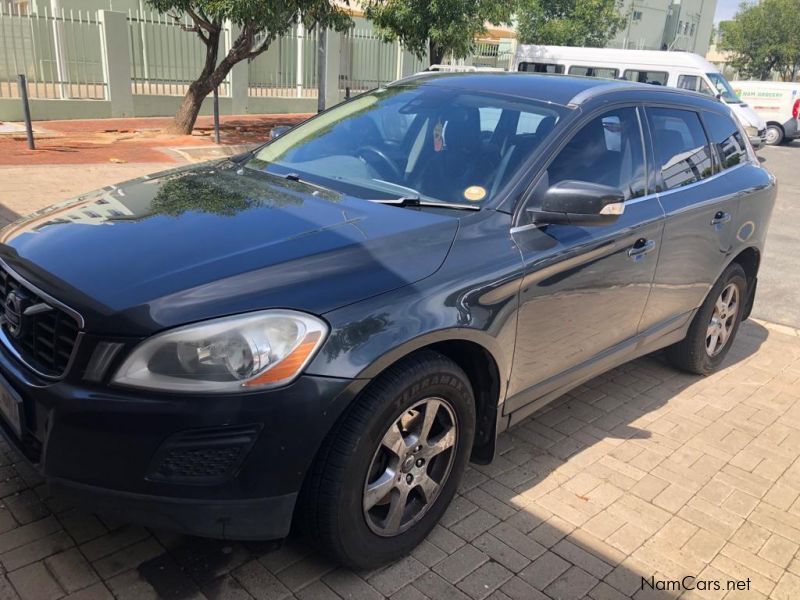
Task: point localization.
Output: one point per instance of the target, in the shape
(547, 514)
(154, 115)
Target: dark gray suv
(327, 329)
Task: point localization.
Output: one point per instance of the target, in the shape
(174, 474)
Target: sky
(726, 9)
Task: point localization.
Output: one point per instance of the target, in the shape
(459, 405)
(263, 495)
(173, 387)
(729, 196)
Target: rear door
(700, 207)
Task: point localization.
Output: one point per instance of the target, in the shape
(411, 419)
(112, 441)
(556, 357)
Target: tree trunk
(437, 53)
(200, 88)
(185, 118)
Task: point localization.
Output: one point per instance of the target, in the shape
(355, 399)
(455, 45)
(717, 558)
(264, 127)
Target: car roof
(566, 90)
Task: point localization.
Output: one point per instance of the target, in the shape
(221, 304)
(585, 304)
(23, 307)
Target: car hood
(219, 239)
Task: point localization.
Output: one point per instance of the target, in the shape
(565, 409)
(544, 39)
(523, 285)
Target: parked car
(327, 329)
(778, 103)
(683, 70)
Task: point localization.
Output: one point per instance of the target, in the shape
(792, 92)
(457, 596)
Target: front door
(585, 287)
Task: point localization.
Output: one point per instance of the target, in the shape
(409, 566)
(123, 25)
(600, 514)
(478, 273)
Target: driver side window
(607, 150)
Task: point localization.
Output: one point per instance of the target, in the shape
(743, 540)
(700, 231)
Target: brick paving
(642, 472)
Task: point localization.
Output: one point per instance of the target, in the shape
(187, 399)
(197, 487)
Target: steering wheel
(384, 165)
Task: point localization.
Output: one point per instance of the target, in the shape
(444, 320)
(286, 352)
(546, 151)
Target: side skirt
(525, 403)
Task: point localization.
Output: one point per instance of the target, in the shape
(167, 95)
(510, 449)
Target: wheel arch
(480, 359)
(750, 260)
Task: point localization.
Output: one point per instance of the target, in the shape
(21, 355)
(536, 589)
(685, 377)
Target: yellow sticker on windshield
(475, 193)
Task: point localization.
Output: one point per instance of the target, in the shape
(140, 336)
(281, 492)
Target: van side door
(700, 204)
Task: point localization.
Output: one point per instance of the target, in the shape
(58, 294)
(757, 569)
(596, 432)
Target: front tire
(390, 467)
(775, 135)
(714, 327)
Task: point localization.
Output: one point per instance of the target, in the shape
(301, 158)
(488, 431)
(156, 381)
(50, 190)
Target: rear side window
(652, 77)
(726, 138)
(682, 152)
(694, 83)
(607, 150)
(601, 72)
(539, 67)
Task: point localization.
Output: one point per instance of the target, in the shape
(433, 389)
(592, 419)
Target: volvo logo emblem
(13, 314)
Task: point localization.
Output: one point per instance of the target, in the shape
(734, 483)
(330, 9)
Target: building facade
(680, 25)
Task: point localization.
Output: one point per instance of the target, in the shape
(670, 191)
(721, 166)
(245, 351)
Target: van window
(537, 67)
(694, 83)
(653, 77)
(601, 72)
(607, 150)
(682, 152)
(726, 139)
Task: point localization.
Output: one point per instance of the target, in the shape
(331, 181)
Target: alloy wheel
(722, 320)
(410, 466)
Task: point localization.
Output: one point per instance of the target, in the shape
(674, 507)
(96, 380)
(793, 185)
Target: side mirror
(579, 203)
(278, 131)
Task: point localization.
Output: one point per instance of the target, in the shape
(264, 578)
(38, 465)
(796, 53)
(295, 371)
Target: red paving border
(130, 140)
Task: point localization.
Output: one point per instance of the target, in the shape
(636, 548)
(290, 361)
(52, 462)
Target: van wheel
(714, 327)
(391, 466)
(774, 135)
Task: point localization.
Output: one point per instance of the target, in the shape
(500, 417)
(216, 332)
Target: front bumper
(759, 140)
(217, 466)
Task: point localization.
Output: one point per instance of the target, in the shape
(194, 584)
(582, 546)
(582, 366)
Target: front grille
(47, 338)
(203, 456)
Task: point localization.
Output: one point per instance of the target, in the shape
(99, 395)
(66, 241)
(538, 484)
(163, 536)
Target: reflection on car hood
(216, 239)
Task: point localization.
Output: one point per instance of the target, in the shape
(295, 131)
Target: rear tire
(775, 135)
(390, 467)
(715, 325)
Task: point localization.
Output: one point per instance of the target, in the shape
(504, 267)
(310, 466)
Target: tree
(260, 23)
(569, 22)
(763, 38)
(438, 27)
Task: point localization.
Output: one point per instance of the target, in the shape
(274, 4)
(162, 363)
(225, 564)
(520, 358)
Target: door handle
(641, 247)
(720, 218)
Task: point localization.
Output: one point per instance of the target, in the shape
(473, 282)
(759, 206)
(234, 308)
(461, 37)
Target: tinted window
(601, 72)
(607, 150)
(652, 77)
(681, 147)
(694, 83)
(727, 140)
(541, 67)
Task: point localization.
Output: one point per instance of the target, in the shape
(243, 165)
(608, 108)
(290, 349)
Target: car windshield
(423, 142)
(724, 88)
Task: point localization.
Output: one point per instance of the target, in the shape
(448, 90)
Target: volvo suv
(326, 330)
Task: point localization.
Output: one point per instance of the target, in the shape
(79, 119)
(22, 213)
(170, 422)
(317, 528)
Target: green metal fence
(61, 54)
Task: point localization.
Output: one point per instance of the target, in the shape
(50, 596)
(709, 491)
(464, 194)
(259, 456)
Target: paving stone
(544, 570)
(71, 570)
(260, 583)
(35, 583)
(483, 581)
(458, 565)
(573, 584)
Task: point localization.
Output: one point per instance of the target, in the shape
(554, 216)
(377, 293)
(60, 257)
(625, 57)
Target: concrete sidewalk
(643, 474)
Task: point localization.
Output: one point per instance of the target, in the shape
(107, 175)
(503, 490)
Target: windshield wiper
(411, 201)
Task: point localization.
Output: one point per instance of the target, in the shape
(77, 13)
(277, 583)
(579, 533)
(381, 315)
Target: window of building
(652, 77)
(726, 139)
(691, 29)
(683, 155)
(600, 72)
(607, 150)
(637, 15)
(536, 67)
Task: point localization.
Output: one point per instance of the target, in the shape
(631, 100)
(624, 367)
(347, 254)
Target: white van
(777, 102)
(674, 69)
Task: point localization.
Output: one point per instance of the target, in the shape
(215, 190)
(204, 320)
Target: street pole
(216, 115)
(322, 69)
(26, 109)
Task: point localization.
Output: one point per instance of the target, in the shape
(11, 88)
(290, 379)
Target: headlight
(751, 131)
(251, 351)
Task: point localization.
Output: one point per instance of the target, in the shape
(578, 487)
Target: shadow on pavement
(7, 215)
(535, 521)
